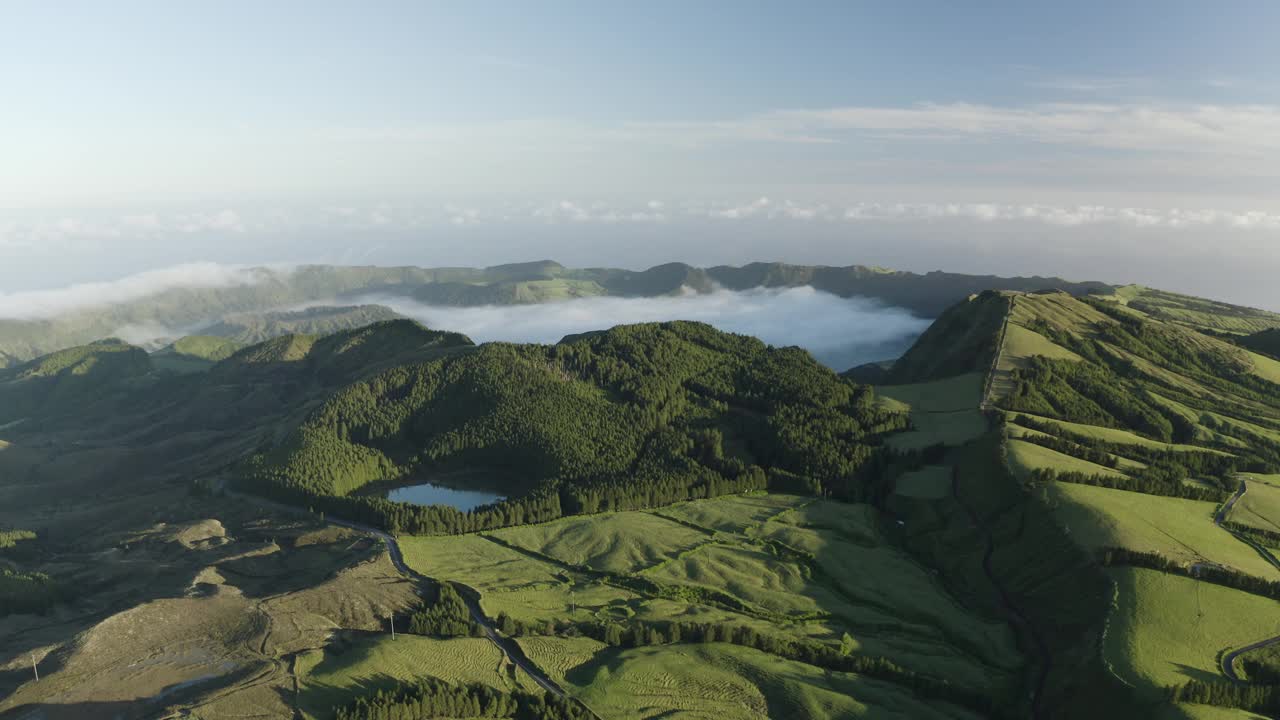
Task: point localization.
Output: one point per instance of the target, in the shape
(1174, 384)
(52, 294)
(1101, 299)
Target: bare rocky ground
(184, 605)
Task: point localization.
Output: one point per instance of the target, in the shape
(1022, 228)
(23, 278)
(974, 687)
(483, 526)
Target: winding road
(1228, 661)
(508, 646)
(510, 649)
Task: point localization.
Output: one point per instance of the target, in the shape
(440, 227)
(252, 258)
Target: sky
(1119, 141)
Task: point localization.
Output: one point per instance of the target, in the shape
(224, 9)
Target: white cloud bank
(839, 332)
(40, 304)
(426, 217)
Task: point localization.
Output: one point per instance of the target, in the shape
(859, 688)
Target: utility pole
(35, 668)
(572, 607)
(393, 626)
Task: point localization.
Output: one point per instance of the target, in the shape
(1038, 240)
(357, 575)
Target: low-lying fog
(839, 332)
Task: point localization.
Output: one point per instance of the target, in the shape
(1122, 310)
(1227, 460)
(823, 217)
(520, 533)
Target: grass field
(947, 637)
(942, 411)
(511, 582)
(556, 656)
(725, 682)
(1264, 367)
(734, 513)
(1168, 629)
(930, 482)
(1272, 480)
(1259, 507)
(331, 677)
(1179, 529)
(1021, 343)
(1025, 457)
(1208, 712)
(611, 542)
(856, 583)
(1114, 435)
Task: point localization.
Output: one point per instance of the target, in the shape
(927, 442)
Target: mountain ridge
(192, 310)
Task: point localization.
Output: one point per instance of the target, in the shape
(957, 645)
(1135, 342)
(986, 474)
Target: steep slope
(1132, 427)
(963, 339)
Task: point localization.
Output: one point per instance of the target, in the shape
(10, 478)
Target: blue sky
(1031, 136)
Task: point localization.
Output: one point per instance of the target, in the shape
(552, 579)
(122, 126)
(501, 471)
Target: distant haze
(839, 332)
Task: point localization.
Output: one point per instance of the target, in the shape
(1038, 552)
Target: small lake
(429, 494)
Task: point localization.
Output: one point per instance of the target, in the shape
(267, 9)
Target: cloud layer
(840, 332)
(73, 231)
(40, 304)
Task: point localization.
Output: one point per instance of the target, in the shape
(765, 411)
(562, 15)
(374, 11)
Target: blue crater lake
(429, 494)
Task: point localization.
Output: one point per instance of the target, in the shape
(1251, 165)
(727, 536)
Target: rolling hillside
(1051, 507)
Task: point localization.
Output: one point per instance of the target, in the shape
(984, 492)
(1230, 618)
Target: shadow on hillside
(78, 711)
(1194, 673)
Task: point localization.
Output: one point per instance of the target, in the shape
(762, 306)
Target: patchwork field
(610, 542)
(734, 514)
(556, 656)
(333, 676)
(525, 588)
(1113, 435)
(1259, 507)
(794, 566)
(1176, 528)
(725, 682)
(1168, 629)
(1025, 457)
(942, 411)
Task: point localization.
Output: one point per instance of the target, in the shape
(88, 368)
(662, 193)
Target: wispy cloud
(73, 232)
(39, 304)
(1202, 128)
(1091, 85)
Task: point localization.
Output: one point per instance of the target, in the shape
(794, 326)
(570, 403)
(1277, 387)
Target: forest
(636, 417)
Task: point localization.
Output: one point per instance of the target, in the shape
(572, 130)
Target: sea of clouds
(839, 332)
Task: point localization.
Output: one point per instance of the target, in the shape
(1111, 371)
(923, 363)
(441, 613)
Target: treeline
(1263, 699)
(1191, 463)
(1110, 389)
(1264, 671)
(811, 652)
(29, 592)
(636, 417)
(1215, 366)
(10, 538)
(1074, 449)
(1086, 393)
(446, 616)
(1215, 574)
(432, 698)
(1138, 484)
(1269, 538)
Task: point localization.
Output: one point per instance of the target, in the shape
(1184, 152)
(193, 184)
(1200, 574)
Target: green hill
(632, 417)
(250, 328)
(70, 378)
(963, 339)
(1028, 516)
